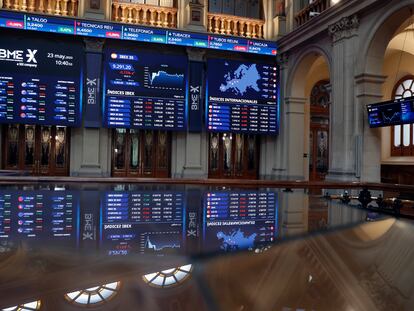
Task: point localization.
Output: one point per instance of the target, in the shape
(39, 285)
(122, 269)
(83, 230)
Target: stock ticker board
(242, 97)
(85, 28)
(40, 82)
(145, 90)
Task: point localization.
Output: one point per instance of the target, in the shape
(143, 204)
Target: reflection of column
(342, 155)
(294, 143)
(294, 213)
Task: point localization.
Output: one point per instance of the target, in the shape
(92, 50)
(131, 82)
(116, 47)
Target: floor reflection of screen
(45, 216)
(142, 222)
(161, 242)
(239, 220)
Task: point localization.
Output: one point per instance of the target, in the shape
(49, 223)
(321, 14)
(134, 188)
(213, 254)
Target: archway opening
(311, 86)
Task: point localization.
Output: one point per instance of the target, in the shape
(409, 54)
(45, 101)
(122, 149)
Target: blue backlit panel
(145, 91)
(94, 29)
(40, 82)
(242, 97)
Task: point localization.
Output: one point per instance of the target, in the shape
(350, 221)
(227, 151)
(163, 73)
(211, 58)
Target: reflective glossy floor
(165, 247)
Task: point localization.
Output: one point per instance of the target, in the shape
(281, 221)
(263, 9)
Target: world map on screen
(245, 77)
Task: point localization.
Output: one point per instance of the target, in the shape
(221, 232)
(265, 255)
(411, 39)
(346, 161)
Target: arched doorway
(319, 131)
(308, 91)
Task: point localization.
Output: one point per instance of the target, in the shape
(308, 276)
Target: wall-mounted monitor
(145, 90)
(391, 113)
(40, 81)
(242, 97)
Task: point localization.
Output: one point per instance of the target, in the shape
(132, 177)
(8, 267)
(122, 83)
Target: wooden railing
(312, 10)
(235, 25)
(144, 14)
(53, 7)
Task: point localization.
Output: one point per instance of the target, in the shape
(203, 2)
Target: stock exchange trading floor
(187, 247)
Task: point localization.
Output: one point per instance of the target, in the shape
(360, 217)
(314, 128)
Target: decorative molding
(94, 45)
(283, 60)
(346, 27)
(195, 54)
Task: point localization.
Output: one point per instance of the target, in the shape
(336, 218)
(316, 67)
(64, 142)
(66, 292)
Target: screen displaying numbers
(145, 91)
(40, 82)
(242, 97)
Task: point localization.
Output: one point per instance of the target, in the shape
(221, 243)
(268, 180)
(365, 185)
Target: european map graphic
(236, 240)
(239, 82)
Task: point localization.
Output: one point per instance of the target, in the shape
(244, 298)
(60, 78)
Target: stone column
(278, 154)
(90, 154)
(294, 138)
(196, 15)
(369, 91)
(95, 9)
(268, 14)
(342, 134)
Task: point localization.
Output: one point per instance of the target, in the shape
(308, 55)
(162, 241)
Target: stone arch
(381, 34)
(302, 76)
(297, 78)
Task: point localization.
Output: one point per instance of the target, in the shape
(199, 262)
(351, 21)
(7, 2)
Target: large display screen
(39, 216)
(145, 90)
(40, 81)
(391, 113)
(242, 97)
(69, 26)
(142, 222)
(239, 220)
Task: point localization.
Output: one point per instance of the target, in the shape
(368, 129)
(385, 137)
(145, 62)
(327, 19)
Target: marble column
(343, 139)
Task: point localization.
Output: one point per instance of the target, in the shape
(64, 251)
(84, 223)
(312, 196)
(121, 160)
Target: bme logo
(18, 55)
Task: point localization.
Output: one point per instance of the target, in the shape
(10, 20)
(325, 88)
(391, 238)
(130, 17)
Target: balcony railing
(235, 25)
(312, 10)
(144, 14)
(53, 7)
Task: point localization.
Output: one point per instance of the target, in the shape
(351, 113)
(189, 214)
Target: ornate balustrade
(144, 14)
(53, 7)
(312, 10)
(235, 25)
